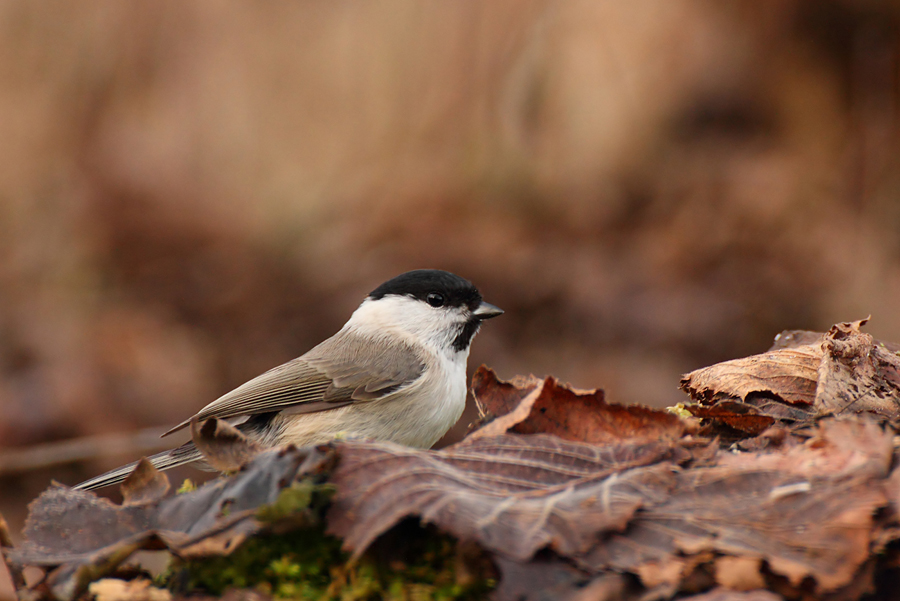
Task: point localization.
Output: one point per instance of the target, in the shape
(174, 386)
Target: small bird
(396, 371)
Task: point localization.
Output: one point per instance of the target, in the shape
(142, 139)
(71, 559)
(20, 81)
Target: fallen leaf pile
(804, 376)
(780, 483)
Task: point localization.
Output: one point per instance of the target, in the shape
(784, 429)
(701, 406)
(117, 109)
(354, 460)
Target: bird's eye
(435, 300)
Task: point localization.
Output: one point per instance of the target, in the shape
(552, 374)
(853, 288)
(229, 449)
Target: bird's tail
(186, 453)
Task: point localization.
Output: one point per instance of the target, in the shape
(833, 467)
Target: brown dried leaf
(841, 447)
(740, 416)
(857, 374)
(808, 512)
(532, 406)
(145, 484)
(224, 447)
(511, 494)
(841, 371)
(496, 397)
(789, 374)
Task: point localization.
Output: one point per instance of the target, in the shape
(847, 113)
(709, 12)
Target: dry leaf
(737, 415)
(512, 494)
(857, 374)
(789, 375)
(533, 406)
(496, 397)
(805, 375)
(145, 484)
(808, 512)
(224, 447)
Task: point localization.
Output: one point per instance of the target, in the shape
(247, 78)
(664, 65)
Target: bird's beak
(486, 311)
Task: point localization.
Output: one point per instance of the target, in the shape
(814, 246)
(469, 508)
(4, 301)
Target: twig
(82, 449)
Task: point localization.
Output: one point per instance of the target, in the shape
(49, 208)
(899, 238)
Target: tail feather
(186, 453)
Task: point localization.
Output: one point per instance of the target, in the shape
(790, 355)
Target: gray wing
(344, 369)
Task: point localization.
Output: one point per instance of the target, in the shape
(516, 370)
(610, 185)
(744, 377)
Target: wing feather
(346, 368)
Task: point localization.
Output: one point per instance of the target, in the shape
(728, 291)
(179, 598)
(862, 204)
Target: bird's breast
(417, 415)
(434, 404)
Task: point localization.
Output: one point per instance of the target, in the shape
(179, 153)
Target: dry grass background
(191, 193)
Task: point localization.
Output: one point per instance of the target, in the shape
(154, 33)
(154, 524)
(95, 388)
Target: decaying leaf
(789, 374)
(533, 406)
(740, 416)
(224, 447)
(496, 398)
(808, 512)
(145, 484)
(512, 494)
(805, 375)
(857, 374)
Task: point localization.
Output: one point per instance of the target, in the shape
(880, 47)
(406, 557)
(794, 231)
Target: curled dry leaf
(805, 375)
(534, 406)
(224, 447)
(496, 397)
(145, 484)
(789, 374)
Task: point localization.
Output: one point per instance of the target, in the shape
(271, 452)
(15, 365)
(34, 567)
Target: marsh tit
(396, 371)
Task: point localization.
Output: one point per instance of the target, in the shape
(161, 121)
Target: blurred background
(191, 193)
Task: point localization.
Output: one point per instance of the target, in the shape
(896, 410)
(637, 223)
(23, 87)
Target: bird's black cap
(418, 284)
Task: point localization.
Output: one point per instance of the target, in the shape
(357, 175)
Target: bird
(395, 372)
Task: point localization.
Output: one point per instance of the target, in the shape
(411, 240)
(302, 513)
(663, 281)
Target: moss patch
(309, 564)
(300, 561)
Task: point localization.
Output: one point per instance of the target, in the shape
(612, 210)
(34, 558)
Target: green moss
(304, 563)
(679, 409)
(307, 564)
(186, 486)
(304, 500)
